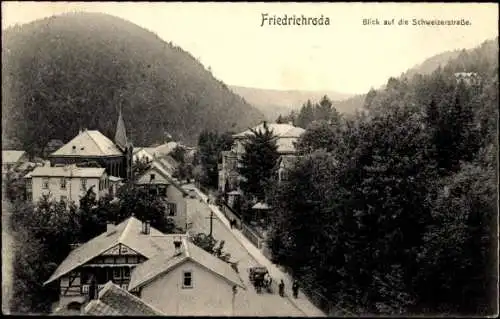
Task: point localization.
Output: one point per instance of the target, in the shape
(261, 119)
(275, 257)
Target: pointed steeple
(121, 133)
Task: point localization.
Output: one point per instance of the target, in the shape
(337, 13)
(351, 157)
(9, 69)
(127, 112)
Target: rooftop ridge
(186, 247)
(125, 231)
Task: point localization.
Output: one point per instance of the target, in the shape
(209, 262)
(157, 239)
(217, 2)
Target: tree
(179, 154)
(456, 258)
(280, 120)
(371, 195)
(319, 135)
(258, 162)
(136, 200)
(210, 146)
(44, 236)
(211, 245)
(140, 166)
(306, 115)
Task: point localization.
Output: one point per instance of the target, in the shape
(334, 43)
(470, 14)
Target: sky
(344, 56)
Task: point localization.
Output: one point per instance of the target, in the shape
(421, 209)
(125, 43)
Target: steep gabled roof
(167, 260)
(157, 167)
(12, 156)
(89, 144)
(128, 233)
(115, 301)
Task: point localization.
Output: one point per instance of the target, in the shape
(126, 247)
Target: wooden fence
(252, 235)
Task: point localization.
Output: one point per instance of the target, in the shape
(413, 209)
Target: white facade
(71, 185)
(208, 295)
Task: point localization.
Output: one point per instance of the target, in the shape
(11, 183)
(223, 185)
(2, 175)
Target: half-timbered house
(110, 256)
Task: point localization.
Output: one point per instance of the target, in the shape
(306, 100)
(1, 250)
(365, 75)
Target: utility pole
(211, 221)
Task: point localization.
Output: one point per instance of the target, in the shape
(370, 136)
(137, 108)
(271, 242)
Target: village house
(286, 137)
(67, 183)
(12, 159)
(109, 256)
(92, 147)
(116, 255)
(151, 154)
(187, 281)
(160, 184)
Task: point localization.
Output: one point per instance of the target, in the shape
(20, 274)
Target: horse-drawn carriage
(260, 278)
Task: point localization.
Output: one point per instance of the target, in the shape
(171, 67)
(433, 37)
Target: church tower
(124, 144)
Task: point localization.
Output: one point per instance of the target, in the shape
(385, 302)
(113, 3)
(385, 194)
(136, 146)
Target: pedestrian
(295, 289)
(282, 288)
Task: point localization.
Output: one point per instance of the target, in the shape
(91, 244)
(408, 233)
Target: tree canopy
(392, 211)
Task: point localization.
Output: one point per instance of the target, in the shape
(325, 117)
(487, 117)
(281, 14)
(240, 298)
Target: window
(29, 196)
(28, 183)
(83, 184)
(126, 272)
(187, 281)
(63, 183)
(116, 273)
(172, 209)
(64, 198)
(162, 190)
(45, 183)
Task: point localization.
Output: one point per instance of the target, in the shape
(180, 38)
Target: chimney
(146, 225)
(177, 246)
(109, 227)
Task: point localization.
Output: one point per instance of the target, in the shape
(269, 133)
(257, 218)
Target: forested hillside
(73, 71)
(350, 105)
(394, 211)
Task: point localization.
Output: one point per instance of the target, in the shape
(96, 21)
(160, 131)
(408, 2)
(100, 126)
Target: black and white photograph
(245, 159)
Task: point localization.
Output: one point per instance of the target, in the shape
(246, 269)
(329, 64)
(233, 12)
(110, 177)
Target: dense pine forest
(74, 71)
(394, 210)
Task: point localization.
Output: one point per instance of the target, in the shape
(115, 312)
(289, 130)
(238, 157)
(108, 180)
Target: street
(248, 302)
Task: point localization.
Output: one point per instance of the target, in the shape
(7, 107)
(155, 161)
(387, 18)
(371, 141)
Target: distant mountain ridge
(456, 57)
(272, 103)
(75, 70)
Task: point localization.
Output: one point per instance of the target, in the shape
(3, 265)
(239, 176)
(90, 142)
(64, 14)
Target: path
(243, 250)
